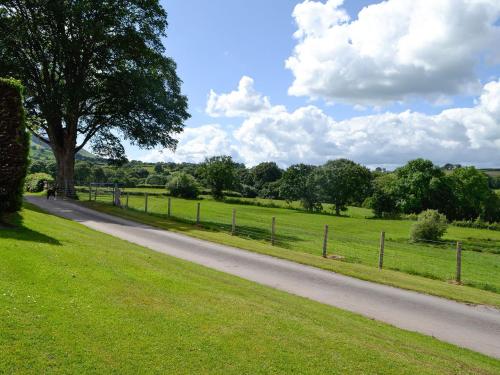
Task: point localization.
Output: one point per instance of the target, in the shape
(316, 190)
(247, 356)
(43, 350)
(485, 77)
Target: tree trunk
(65, 181)
(337, 209)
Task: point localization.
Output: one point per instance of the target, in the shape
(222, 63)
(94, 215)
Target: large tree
(95, 71)
(218, 173)
(297, 184)
(341, 182)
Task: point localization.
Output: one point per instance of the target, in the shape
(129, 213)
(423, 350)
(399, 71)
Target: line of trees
(460, 193)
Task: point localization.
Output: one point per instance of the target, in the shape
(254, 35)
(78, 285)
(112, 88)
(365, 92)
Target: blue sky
(216, 43)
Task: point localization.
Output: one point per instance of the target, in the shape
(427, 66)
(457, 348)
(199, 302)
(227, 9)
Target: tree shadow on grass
(12, 228)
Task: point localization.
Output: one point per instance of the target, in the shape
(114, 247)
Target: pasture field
(352, 240)
(73, 300)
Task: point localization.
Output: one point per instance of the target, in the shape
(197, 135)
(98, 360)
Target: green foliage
(296, 184)
(35, 182)
(156, 179)
(83, 172)
(413, 185)
(37, 166)
(384, 199)
(14, 146)
(270, 190)
(183, 185)
(342, 181)
(264, 173)
(430, 226)
(93, 69)
(219, 174)
(471, 191)
(159, 168)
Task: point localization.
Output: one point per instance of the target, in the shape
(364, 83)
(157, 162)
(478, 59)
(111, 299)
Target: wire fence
(468, 263)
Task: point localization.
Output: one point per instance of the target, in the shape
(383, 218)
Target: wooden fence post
(233, 226)
(325, 241)
(381, 253)
(458, 278)
(146, 202)
(169, 207)
(273, 230)
(198, 213)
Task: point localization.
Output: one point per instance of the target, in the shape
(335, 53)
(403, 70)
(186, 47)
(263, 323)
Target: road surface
(473, 327)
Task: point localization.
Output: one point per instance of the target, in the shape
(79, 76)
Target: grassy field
(73, 300)
(354, 238)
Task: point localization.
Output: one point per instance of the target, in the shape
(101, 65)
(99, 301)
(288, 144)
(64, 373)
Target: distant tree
(414, 185)
(471, 191)
(384, 201)
(491, 208)
(342, 181)
(83, 172)
(218, 174)
(14, 146)
(158, 168)
(270, 190)
(156, 179)
(93, 70)
(37, 166)
(140, 173)
(183, 185)
(296, 185)
(98, 175)
(264, 173)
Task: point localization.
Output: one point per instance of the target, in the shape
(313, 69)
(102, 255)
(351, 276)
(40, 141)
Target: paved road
(473, 327)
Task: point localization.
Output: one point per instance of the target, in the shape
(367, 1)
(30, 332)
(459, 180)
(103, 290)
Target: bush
(156, 179)
(34, 183)
(249, 191)
(430, 226)
(183, 185)
(14, 146)
(368, 203)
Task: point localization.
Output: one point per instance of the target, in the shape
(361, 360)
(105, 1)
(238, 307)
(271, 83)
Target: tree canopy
(219, 174)
(94, 71)
(342, 181)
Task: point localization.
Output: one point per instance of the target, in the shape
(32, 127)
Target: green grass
(422, 267)
(73, 300)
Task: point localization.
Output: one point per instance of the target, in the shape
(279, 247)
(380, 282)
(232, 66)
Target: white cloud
(308, 135)
(195, 144)
(242, 102)
(394, 50)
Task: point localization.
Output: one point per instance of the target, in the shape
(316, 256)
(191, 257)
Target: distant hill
(40, 151)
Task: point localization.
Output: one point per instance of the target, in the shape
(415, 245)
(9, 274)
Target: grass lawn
(354, 238)
(73, 300)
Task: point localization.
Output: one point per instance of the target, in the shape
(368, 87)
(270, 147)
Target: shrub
(249, 191)
(156, 179)
(34, 183)
(14, 146)
(368, 203)
(183, 185)
(430, 226)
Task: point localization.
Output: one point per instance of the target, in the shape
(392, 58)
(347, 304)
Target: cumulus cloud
(308, 135)
(242, 102)
(393, 50)
(195, 144)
